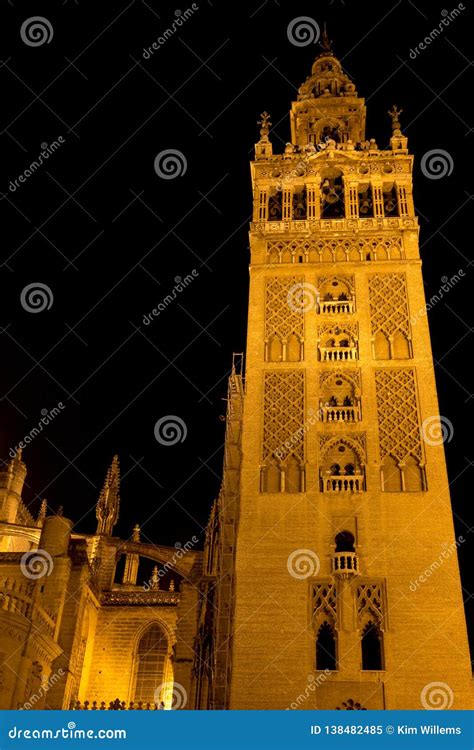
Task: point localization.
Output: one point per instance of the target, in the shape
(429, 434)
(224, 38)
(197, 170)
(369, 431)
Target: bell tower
(346, 578)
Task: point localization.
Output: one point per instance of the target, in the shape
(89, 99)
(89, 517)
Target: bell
(364, 206)
(332, 196)
(389, 206)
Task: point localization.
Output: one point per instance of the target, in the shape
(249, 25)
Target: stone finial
(265, 126)
(325, 43)
(60, 510)
(394, 115)
(107, 508)
(172, 585)
(136, 533)
(42, 512)
(155, 579)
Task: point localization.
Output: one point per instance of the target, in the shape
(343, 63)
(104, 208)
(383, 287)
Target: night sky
(109, 237)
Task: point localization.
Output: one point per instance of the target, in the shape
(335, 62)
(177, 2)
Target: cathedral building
(311, 591)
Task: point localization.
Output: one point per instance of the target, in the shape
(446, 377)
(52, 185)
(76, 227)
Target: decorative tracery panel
(398, 416)
(342, 249)
(370, 603)
(389, 316)
(324, 601)
(283, 409)
(284, 322)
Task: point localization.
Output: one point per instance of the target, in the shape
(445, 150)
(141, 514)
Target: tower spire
(107, 509)
(326, 43)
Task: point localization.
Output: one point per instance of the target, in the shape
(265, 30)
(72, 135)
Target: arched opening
(326, 648)
(271, 479)
(150, 664)
(392, 480)
(293, 348)
(275, 206)
(275, 350)
(390, 203)
(332, 195)
(413, 475)
(293, 476)
(342, 469)
(299, 203)
(372, 657)
(366, 203)
(381, 346)
(401, 346)
(344, 542)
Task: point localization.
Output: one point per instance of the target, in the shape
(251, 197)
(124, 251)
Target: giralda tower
(344, 498)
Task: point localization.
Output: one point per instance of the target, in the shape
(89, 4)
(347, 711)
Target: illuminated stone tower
(344, 498)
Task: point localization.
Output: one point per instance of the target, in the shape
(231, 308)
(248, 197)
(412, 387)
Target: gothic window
(275, 205)
(372, 647)
(389, 316)
(336, 295)
(339, 396)
(150, 664)
(332, 195)
(366, 202)
(326, 647)
(342, 468)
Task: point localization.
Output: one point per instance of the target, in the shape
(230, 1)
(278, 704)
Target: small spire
(107, 508)
(136, 533)
(42, 512)
(325, 43)
(394, 115)
(60, 511)
(172, 586)
(155, 579)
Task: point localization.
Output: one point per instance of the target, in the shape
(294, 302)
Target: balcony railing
(345, 564)
(338, 353)
(116, 705)
(336, 306)
(340, 413)
(343, 483)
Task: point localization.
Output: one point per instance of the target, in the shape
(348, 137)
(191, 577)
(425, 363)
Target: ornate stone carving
(324, 601)
(282, 319)
(388, 303)
(370, 603)
(283, 410)
(397, 410)
(336, 249)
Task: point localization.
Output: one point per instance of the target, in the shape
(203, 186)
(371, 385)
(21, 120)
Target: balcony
(338, 353)
(343, 483)
(116, 705)
(345, 564)
(336, 306)
(339, 413)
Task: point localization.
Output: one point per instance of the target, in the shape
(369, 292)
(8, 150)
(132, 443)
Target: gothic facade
(334, 499)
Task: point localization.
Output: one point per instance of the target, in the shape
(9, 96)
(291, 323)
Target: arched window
(150, 664)
(344, 542)
(392, 478)
(326, 648)
(372, 647)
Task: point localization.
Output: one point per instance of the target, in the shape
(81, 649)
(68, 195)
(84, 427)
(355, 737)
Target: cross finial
(394, 115)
